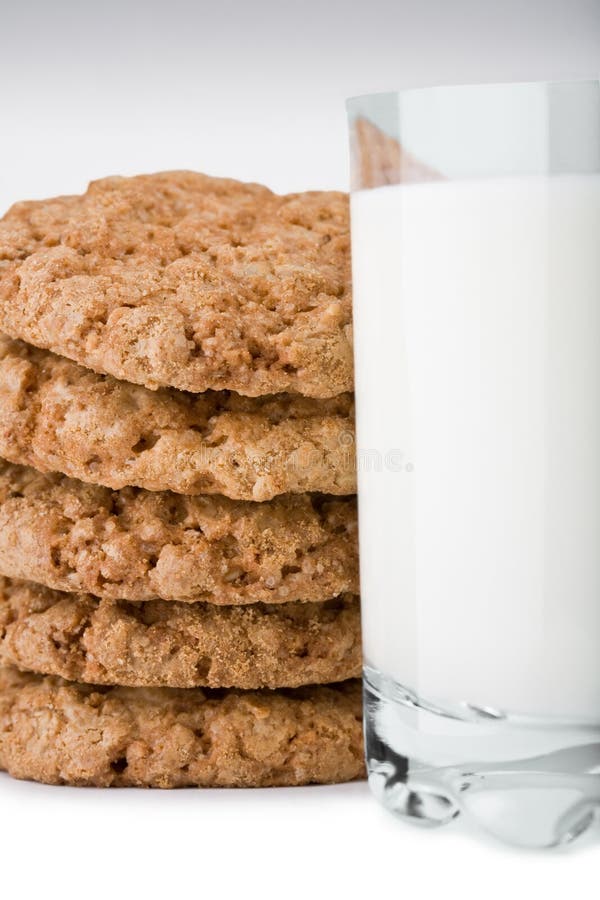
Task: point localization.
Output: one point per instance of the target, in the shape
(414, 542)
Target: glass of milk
(476, 267)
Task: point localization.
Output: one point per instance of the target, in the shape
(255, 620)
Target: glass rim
(488, 129)
(468, 86)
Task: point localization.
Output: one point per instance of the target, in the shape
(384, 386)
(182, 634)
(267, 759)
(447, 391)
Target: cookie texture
(162, 644)
(184, 280)
(58, 416)
(141, 545)
(61, 733)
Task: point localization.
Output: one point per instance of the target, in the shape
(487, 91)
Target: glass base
(528, 781)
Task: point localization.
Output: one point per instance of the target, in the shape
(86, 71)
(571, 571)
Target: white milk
(477, 316)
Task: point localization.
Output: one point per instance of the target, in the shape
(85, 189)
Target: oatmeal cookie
(162, 644)
(58, 416)
(179, 279)
(142, 545)
(62, 733)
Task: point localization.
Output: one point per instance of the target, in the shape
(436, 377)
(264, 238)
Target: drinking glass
(476, 269)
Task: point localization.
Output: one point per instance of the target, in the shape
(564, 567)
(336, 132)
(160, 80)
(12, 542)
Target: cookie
(62, 733)
(179, 279)
(162, 644)
(58, 416)
(141, 545)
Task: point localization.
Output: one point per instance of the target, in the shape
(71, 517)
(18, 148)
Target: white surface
(315, 843)
(477, 335)
(251, 90)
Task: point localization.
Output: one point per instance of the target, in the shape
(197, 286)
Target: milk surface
(477, 317)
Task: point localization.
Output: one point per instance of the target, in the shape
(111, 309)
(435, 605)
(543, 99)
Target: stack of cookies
(178, 557)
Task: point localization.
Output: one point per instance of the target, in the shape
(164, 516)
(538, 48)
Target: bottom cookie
(58, 732)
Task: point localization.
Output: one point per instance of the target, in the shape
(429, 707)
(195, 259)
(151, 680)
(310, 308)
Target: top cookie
(179, 279)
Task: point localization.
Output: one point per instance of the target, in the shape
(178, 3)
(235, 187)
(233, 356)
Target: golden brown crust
(162, 644)
(140, 545)
(58, 416)
(61, 733)
(183, 280)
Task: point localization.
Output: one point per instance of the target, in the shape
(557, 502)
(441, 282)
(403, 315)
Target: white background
(251, 90)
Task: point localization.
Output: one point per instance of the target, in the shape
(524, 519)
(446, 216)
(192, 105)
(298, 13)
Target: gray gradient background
(253, 90)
